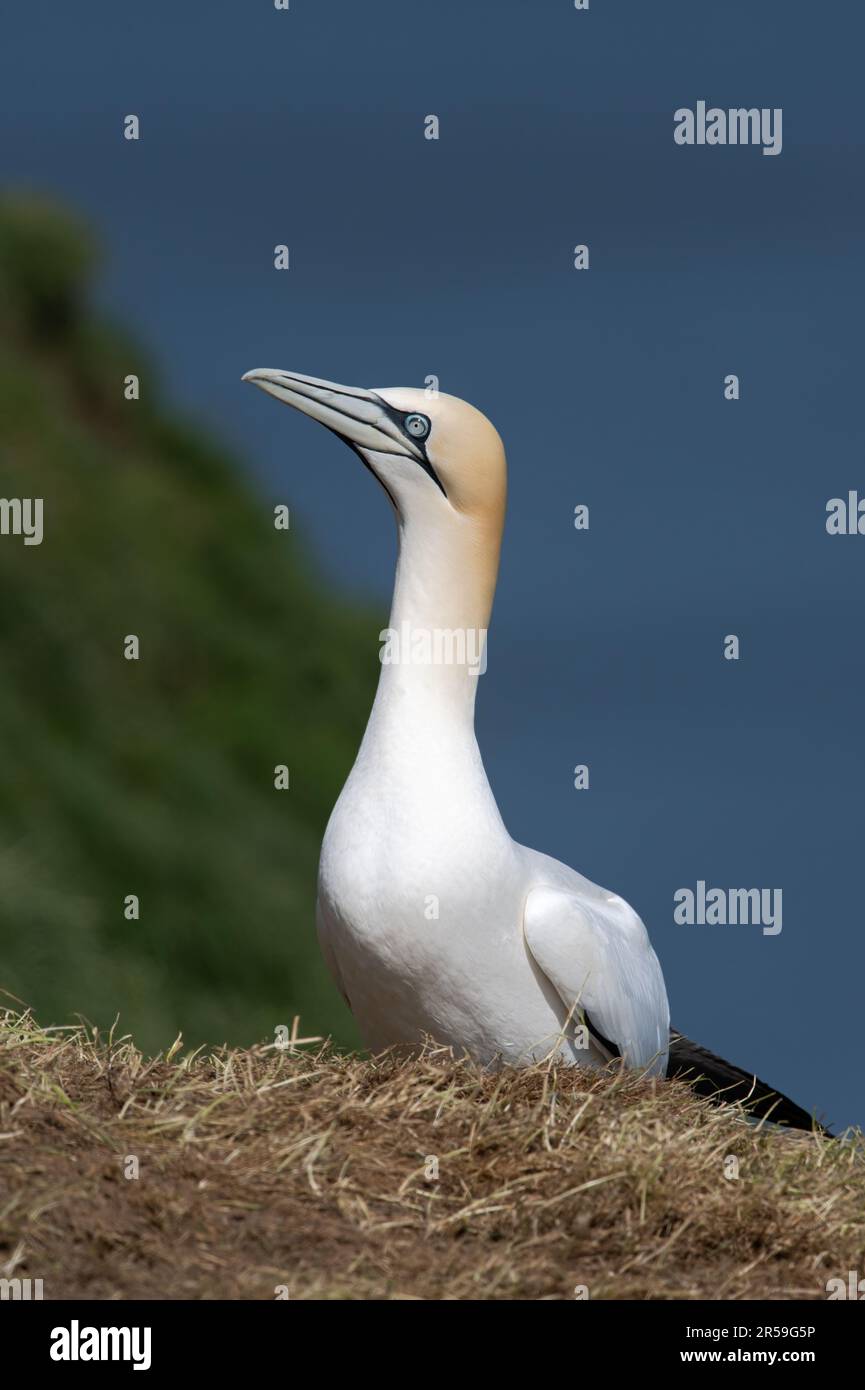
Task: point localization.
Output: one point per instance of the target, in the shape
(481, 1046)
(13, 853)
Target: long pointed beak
(359, 417)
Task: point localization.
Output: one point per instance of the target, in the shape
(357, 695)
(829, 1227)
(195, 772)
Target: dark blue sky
(412, 257)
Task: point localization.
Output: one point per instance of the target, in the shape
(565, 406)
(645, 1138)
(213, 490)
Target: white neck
(439, 615)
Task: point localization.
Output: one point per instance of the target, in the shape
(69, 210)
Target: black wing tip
(724, 1083)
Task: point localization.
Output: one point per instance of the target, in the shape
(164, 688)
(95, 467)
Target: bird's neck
(434, 651)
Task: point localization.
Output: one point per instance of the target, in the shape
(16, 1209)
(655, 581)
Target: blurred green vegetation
(154, 777)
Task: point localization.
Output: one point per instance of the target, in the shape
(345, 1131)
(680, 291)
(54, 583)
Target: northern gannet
(432, 920)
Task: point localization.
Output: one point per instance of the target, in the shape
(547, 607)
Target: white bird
(432, 920)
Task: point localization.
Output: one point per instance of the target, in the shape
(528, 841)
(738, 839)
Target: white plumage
(433, 921)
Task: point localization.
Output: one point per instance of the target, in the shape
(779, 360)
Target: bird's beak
(360, 417)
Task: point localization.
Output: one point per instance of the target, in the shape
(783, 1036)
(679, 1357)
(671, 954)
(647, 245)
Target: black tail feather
(723, 1082)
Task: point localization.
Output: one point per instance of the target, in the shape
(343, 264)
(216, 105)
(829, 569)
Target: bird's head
(438, 458)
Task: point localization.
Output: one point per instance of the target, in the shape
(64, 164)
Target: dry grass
(305, 1168)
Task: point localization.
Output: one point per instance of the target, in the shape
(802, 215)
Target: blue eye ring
(416, 426)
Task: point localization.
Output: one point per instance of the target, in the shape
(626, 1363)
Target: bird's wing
(597, 955)
(723, 1082)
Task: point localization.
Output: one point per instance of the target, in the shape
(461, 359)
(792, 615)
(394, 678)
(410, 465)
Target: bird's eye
(417, 426)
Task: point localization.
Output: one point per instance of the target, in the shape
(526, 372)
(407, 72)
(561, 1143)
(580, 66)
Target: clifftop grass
(332, 1177)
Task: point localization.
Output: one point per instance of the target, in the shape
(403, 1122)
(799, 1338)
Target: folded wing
(597, 955)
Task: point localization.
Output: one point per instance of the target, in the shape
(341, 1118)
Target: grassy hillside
(312, 1172)
(153, 777)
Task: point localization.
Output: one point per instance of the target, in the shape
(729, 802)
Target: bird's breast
(421, 906)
